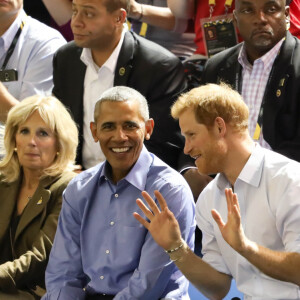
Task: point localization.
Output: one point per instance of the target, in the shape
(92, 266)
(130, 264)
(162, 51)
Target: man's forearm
(183, 9)
(283, 266)
(60, 10)
(153, 15)
(213, 284)
(7, 101)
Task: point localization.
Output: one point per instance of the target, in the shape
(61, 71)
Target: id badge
(219, 33)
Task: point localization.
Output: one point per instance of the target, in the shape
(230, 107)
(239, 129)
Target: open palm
(232, 231)
(162, 224)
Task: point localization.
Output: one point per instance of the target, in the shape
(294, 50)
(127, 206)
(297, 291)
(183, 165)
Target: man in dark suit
(265, 69)
(105, 54)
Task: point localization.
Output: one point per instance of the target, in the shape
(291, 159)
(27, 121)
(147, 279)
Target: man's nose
(187, 147)
(121, 135)
(260, 17)
(76, 20)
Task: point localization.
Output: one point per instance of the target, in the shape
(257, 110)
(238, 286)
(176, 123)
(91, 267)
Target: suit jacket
(23, 260)
(281, 108)
(149, 68)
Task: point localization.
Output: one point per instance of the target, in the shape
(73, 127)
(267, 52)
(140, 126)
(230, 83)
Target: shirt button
(116, 195)
(101, 277)
(107, 251)
(112, 223)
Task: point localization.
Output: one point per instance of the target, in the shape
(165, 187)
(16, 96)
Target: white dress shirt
(268, 190)
(96, 81)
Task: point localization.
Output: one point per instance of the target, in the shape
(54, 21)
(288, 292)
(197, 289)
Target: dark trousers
(99, 297)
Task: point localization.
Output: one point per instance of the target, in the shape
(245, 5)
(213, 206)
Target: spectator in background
(162, 27)
(56, 13)
(265, 70)
(40, 142)
(26, 52)
(198, 10)
(105, 54)
(61, 12)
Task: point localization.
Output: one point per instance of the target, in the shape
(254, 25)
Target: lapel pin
(122, 71)
(40, 201)
(278, 93)
(281, 82)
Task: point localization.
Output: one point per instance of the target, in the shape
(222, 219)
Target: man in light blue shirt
(26, 67)
(99, 248)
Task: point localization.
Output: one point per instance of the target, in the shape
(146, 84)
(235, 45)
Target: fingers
(237, 215)
(236, 202)
(144, 209)
(232, 201)
(151, 203)
(161, 200)
(228, 199)
(217, 217)
(141, 220)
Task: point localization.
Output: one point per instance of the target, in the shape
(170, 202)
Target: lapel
(125, 60)
(231, 72)
(9, 192)
(36, 205)
(280, 74)
(276, 93)
(77, 91)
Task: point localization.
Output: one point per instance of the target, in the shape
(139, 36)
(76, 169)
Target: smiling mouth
(196, 157)
(120, 150)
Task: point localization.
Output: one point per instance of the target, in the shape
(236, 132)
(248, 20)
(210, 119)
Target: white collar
(111, 62)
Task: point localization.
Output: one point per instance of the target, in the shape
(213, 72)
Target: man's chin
(80, 44)
(264, 45)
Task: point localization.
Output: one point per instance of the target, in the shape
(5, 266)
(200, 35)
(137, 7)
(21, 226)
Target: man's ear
(220, 126)
(234, 18)
(120, 16)
(93, 127)
(287, 18)
(149, 125)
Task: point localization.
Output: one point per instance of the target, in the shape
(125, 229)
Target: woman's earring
(15, 149)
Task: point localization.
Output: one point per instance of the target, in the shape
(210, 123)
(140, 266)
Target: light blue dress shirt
(100, 246)
(268, 191)
(32, 58)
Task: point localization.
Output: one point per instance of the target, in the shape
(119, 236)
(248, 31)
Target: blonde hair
(211, 101)
(56, 116)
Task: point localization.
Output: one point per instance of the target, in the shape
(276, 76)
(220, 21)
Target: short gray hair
(120, 94)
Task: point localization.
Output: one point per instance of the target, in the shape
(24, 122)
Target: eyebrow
(107, 123)
(250, 3)
(131, 123)
(83, 6)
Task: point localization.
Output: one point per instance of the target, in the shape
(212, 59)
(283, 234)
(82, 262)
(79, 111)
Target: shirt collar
(138, 174)
(10, 33)
(252, 171)
(267, 59)
(111, 62)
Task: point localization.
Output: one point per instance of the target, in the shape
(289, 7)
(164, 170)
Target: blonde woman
(40, 144)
